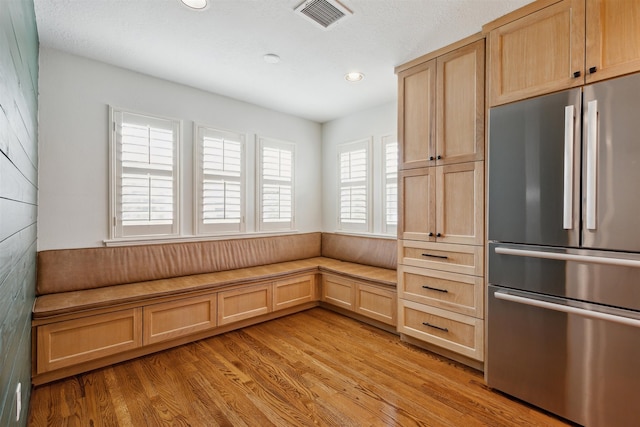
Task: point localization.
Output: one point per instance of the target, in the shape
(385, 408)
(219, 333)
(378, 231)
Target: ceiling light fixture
(354, 76)
(195, 4)
(271, 58)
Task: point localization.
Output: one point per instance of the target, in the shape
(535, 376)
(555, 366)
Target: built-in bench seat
(98, 306)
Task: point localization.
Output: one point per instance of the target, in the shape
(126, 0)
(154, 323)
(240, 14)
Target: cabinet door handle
(592, 70)
(436, 256)
(435, 327)
(444, 291)
(430, 234)
(430, 157)
(439, 157)
(438, 234)
(576, 74)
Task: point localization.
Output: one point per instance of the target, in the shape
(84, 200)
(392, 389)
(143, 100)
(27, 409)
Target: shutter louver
(391, 186)
(221, 182)
(145, 175)
(354, 186)
(276, 185)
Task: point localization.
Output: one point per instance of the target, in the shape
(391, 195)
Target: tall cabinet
(441, 200)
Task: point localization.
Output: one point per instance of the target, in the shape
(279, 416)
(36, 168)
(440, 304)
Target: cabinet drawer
(295, 291)
(376, 303)
(240, 304)
(461, 259)
(76, 341)
(338, 291)
(452, 331)
(450, 291)
(177, 318)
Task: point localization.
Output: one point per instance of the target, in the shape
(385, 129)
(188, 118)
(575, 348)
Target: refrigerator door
(534, 170)
(611, 165)
(580, 361)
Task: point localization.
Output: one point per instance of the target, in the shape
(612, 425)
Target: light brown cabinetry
(440, 108)
(244, 303)
(295, 291)
(174, 319)
(374, 302)
(552, 45)
(441, 204)
(76, 341)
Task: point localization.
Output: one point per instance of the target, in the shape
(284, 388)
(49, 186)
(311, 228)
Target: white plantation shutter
(220, 183)
(355, 186)
(390, 214)
(276, 185)
(144, 175)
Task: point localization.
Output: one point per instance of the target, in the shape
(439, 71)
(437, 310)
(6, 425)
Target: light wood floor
(311, 368)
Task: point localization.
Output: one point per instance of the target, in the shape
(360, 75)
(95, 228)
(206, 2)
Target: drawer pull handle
(435, 289)
(435, 327)
(436, 256)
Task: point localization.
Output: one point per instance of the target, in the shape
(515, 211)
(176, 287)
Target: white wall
(74, 97)
(375, 123)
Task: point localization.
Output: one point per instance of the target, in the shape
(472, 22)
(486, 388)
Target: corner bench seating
(98, 306)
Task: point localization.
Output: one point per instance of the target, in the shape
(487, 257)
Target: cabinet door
(613, 38)
(338, 291)
(76, 341)
(377, 303)
(416, 126)
(417, 211)
(178, 318)
(539, 53)
(240, 304)
(460, 105)
(295, 291)
(460, 203)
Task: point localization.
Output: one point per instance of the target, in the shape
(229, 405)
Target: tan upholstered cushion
(375, 251)
(77, 269)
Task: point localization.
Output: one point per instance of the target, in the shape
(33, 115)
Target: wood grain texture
(312, 368)
(18, 199)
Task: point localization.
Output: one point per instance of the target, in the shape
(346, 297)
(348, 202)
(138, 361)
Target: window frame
(117, 230)
(201, 228)
(271, 226)
(366, 144)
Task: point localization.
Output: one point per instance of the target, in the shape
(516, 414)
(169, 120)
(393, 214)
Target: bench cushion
(68, 270)
(375, 251)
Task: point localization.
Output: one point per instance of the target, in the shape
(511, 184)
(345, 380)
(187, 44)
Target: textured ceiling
(221, 48)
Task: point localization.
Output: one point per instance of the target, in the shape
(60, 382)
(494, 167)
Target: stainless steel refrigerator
(563, 328)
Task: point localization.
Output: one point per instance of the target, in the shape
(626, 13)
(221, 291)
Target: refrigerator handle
(592, 153)
(567, 202)
(591, 314)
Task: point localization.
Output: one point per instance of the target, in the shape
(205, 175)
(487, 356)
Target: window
(276, 175)
(144, 181)
(220, 189)
(354, 204)
(390, 196)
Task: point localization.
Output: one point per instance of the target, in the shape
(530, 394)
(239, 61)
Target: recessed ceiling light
(354, 77)
(271, 58)
(195, 4)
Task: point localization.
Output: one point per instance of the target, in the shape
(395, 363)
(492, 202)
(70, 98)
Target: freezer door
(534, 170)
(580, 361)
(611, 165)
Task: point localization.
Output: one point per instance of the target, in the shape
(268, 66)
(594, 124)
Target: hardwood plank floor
(315, 368)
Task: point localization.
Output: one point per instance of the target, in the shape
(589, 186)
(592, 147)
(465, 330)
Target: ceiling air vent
(325, 13)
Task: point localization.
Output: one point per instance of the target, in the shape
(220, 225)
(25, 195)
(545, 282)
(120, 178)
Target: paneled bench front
(99, 306)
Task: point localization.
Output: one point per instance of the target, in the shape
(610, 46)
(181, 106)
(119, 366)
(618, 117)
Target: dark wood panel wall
(18, 200)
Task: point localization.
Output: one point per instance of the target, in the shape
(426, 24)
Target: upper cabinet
(551, 45)
(441, 108)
